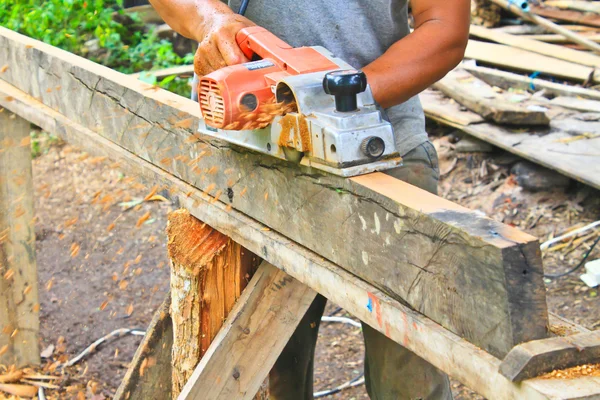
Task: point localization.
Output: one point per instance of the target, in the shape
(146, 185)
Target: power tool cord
(581, 263)
(243, 7)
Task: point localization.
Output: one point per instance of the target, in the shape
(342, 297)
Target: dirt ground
(103, 264)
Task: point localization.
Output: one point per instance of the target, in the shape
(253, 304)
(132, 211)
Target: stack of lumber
(530, 88)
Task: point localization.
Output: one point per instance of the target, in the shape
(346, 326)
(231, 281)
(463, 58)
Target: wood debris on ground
(528, 86)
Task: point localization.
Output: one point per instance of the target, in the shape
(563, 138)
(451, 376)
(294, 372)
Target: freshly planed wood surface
(538, 357)
(545, 149)
(507, 80)
(523, 60)
(553, 38)
(447, 351)
(208, 273)
(449, 263)
(149, 373)
(525, 43)
(255, 333)
(19, 306)
(481, 98)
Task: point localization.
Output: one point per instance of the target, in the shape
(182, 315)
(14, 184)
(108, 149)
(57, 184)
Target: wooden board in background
(579, 160)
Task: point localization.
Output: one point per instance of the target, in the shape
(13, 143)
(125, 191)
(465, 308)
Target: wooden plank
(560, 326)
(549, 25)
(208, 273)
(444, 109)
(577, 5)
(19, 304)
(507, 80)
(575, 17)
(574, 103)
(538, 357)
(525, 43)
(553, 38)
(479, 97)
(544, 149)
(530, 29)
(447, 351)
(180, 70)
(252, 338)
(149, 373)
(369, 225)
(523, 60)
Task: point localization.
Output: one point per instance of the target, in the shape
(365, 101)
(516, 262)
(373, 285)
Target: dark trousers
(391, 371)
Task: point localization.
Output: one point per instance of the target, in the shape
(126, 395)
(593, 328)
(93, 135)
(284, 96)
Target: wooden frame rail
(370, 240)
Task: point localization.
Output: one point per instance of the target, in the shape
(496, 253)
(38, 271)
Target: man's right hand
(219, 48)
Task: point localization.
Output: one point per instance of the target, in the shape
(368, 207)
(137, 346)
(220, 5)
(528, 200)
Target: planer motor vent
(212, 104)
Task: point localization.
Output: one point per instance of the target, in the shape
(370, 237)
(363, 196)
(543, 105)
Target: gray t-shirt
(357, 31)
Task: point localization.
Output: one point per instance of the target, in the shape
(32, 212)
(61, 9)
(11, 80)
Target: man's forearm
(189, 17)
(414, 63)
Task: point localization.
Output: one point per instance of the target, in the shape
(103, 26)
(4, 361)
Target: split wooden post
(208, 273)
(19, 322)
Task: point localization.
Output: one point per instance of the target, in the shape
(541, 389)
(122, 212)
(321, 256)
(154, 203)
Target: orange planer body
(230, 93)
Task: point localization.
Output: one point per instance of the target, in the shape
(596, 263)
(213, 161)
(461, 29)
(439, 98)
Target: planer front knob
(345, 85)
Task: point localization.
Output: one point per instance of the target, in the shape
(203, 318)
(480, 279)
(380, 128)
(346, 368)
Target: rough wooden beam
(507, 80)
(19, 305)
(525, 43)
(149, 373)
(479, 97)
(447, 351)
(538, 357)
(252, 338)
(208, 273)
(523, 60)
(576, 17)
(459, 268)
(163, 73)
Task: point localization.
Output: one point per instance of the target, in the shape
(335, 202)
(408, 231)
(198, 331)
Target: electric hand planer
(299, 104)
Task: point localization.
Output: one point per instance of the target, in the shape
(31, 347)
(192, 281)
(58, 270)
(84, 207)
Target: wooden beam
(254, 335)
(574, 103)
(507, 80)
(525, 43)
(553, 38)
(149, 373)
(578, 5)
(523, 60)
(447, 351)
(19, 304)
(547, 150)
(575, 17)
(208, 273)
(439, 105)
(416, 246)
(538, 357)
(163, 73)
(479, 97)
(549, 25)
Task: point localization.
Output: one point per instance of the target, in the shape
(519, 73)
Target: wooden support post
(148, 376)
(208, 273)
(254, 335)
(19, 322)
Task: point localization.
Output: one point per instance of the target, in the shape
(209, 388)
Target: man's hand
(219, 48)
(209, 22)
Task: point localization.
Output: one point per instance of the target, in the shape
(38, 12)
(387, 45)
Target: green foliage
(74, 25)
(41, 142)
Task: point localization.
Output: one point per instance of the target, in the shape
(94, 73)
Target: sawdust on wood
(574, 372)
